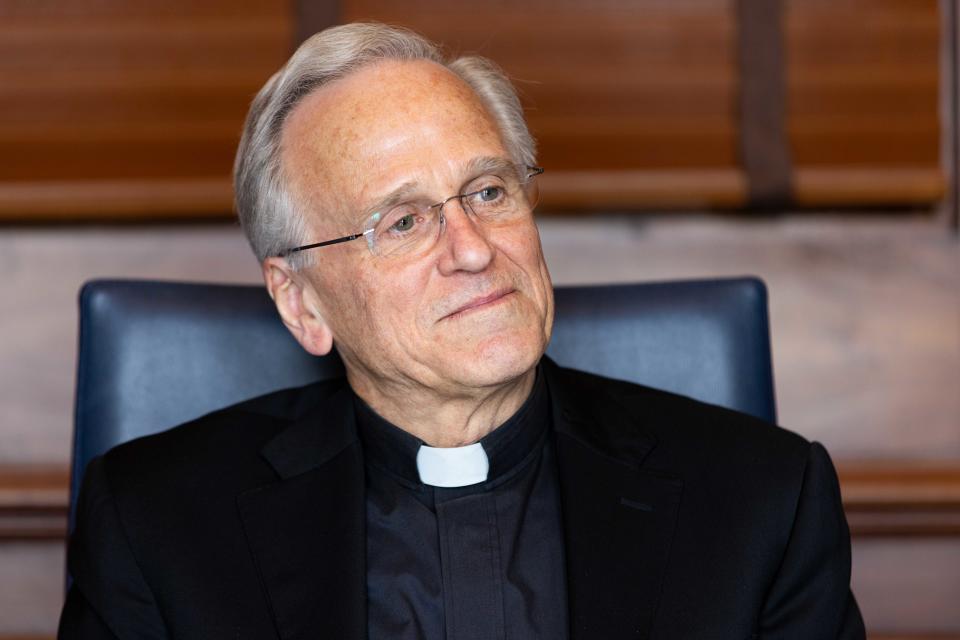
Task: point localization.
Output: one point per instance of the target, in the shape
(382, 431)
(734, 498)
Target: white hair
(269, 214)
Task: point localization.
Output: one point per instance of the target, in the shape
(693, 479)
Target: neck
(444, 419)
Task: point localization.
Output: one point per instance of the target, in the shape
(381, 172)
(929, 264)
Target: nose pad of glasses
(469, 216)
(467, 211)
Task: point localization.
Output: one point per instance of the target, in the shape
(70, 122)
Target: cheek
(529, 256)
(386, 308)
(345, 299)
(523, 249)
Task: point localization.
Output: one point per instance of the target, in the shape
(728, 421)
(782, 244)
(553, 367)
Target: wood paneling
(675, 189)
(129, 108)
(863, 101)
(636, 104)
(33, 503)
(116, 199)
(864, 186)
(892, 499)
(624, 86)
(633, 104)
(133, 109)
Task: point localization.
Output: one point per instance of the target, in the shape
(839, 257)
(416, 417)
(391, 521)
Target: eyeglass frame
(533, 172)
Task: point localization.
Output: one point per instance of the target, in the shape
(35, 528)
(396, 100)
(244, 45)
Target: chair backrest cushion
(155, 354)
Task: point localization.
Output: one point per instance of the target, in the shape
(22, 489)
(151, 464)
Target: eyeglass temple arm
(325, 243)
(533, 171)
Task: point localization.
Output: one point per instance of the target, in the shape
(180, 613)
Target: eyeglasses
(411, 228)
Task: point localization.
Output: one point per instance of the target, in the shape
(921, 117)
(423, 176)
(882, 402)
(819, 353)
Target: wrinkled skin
(449, 377)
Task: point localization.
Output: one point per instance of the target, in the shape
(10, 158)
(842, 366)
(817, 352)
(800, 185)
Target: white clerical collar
(453, 466)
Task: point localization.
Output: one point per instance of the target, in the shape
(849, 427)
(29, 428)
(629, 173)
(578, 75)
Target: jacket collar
(584, 410)
(307, 531)
(304, 445)
(619, 516)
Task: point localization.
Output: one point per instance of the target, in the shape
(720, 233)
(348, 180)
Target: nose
(465, 246)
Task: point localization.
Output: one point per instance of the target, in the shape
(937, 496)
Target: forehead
(387, 124)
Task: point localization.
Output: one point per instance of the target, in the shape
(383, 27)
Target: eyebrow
(489, 165)
(477, 167)
(398, 196)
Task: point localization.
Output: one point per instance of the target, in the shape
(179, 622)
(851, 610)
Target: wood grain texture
(132, 110)
(891, 499)
(623, 86)
(124, 108)
(117, 199)
(863, 82)
(647, 91)
(764, 149)
(33, 503)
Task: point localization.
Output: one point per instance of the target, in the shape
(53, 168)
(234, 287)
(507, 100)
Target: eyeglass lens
(413, 228)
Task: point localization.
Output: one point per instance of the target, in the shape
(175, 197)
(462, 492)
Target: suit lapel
(619, 518)
(307, 531)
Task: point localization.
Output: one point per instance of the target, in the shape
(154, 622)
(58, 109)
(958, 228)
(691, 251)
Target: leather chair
(155, 354)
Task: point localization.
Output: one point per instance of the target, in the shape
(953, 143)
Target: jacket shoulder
(686, 430)
(225, 443)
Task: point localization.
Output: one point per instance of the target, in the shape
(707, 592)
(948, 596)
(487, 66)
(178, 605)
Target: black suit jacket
(681, 520)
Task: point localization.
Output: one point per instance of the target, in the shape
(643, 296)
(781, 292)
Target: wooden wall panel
(133, 109)
(863, 93)
(629, 95)
(632, 103)
(112, 105)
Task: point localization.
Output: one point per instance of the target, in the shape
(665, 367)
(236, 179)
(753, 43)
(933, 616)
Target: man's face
(474, 311)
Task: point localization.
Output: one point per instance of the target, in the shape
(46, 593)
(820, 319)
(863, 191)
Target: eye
(404, 224)
(489, 194)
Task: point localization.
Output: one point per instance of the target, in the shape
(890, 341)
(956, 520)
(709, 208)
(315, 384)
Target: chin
(500, 360)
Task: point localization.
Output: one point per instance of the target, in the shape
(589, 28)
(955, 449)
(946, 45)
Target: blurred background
(809, 142)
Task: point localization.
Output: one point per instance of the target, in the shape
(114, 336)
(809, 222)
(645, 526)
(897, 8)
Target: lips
(478, 302)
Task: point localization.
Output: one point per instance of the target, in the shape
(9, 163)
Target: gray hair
(270, 216)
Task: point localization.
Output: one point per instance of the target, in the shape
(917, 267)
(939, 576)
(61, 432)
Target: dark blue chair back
(155, 354)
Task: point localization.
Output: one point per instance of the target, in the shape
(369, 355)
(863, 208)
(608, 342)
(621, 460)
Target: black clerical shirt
(479, 562)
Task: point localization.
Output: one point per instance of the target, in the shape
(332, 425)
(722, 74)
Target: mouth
(478, 303)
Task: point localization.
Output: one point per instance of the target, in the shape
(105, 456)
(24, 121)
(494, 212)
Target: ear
(295, 299)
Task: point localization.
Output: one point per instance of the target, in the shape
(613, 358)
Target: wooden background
(127, 110)
(131, 110)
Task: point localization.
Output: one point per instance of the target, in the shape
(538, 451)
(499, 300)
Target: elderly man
(457, 484)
